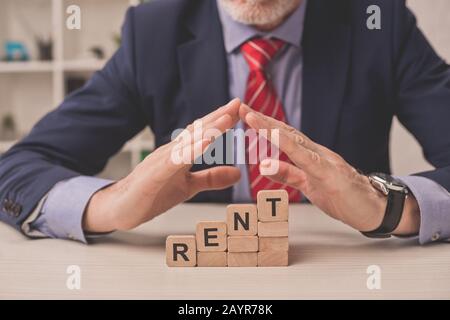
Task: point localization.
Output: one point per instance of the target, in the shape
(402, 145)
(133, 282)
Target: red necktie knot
(258, 52)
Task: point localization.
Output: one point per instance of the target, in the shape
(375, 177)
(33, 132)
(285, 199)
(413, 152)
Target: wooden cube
(242, 220)
(181, 251)
(212, 259)
(273, 258)
(242, 259)
(211, 236)
(272, 229)
(273, 205)
(242, 244)
(273, 244)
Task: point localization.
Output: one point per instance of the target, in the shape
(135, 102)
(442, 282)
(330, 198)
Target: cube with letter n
(242, 220)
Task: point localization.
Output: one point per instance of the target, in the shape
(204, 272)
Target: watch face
(387, 178)
(390, 182)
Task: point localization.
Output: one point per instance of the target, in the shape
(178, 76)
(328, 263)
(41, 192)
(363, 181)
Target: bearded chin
(258, 12)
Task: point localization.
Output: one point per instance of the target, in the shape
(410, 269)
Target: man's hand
(327, 180)
(158, 183)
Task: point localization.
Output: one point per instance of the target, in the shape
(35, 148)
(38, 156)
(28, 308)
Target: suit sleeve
(423, 93)
(423, 107)
(75, 139)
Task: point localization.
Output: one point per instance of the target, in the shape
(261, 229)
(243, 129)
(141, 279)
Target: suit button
(436, 236)
(7, 205)
(16, 210)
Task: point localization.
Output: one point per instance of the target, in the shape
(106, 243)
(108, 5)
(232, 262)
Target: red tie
(262, 97)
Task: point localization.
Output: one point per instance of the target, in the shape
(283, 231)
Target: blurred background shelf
(83, 65)
(30, 89)
(26, 67)
(50, 66)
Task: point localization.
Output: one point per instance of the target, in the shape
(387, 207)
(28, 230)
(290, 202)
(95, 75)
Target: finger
(298, 136)
(183, 156)
(214, 179)
(265, 122)
(185, 153)
(231, 108)
(196, 131)
(244, 110)
(215, 129)
(286, 174)
(212, 132)
(218, 127)
(291, 145)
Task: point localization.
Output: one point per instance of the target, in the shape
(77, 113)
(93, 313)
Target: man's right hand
(158, 183)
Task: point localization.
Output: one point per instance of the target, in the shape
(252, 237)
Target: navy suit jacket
(171, 69)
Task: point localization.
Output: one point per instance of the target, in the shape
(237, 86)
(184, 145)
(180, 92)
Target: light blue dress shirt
(61, 213)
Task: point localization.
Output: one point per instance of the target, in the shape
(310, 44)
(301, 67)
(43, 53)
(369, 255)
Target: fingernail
(222, 118)
(251, 113)
(235, 100)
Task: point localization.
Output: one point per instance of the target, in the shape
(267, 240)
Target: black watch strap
(392, 216)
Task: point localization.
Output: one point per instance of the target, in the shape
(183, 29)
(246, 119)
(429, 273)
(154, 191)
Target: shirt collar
(236, 33)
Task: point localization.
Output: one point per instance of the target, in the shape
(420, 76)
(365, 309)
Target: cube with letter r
(211, 236)
(181, 251)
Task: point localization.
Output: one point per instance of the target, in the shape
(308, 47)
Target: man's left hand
(327, 180)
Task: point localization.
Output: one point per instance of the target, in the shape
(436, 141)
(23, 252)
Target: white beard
(259, 12)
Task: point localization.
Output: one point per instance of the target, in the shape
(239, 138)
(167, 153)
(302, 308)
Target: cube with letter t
(273, 205)
(273, 228)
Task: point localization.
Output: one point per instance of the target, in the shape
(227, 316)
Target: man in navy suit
(332, 86)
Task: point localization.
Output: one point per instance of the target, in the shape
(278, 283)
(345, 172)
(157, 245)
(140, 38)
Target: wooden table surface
(327, 260)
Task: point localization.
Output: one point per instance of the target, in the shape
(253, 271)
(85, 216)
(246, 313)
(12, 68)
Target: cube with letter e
(211, 236)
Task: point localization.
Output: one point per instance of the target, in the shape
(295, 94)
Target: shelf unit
(32, 88)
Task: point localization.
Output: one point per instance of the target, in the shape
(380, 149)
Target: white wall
(434, 19)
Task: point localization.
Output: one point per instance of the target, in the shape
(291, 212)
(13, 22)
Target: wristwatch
(396, 193)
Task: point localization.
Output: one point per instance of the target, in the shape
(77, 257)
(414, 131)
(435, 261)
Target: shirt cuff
(434, 205)
(62, 211)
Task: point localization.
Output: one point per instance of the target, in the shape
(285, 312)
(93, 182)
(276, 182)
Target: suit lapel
(204, 74)
(326, 54)
(202, 61)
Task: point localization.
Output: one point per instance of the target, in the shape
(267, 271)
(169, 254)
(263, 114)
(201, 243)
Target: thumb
(214, 179)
